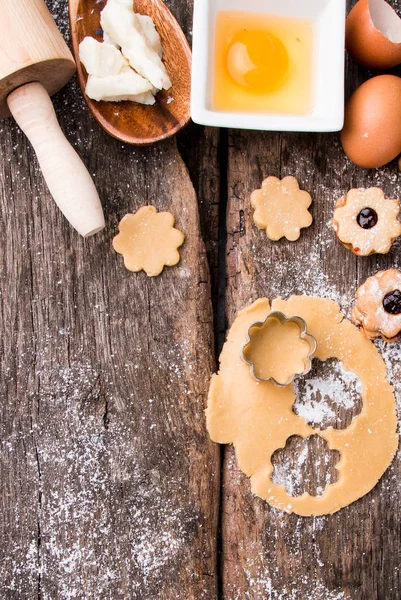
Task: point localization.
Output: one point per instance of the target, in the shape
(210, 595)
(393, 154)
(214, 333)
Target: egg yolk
(257, 60)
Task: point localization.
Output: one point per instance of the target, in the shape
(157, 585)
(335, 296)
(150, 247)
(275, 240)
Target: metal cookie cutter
(303, 334)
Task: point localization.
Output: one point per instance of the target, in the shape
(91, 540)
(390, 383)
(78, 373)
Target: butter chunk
(123, 26)
(108, 40)
(149, 32)
(101, 59)
(126, 85)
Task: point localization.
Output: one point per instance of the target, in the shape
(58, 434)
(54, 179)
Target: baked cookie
(378, 306)
(148, 241)
(281, 208)
(366, 222)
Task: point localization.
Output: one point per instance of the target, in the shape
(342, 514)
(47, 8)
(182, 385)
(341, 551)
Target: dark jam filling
(392, 303)
(367, 218)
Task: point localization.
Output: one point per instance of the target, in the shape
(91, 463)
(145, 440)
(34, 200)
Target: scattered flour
(82, 509)
(324, 391)
(296, 468)
(263, 587)
(329, 396)
(99, 459)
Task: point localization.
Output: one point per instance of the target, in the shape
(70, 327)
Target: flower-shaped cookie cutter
(303, 334)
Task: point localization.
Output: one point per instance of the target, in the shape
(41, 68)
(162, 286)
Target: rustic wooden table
(110, 487)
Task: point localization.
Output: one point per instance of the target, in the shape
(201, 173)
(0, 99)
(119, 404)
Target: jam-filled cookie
(378, 306)
(366, 222)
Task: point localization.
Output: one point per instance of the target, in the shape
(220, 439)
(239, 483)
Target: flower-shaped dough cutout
(378, 306)
(148, 241)
(278, 349)
(366, 222)
(281, 208)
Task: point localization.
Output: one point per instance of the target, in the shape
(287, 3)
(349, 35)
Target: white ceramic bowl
(328, 77)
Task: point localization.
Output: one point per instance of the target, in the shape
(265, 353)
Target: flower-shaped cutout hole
(328, 396)
(278, 349)
(148, 241)
(281, 208)
(305, 465)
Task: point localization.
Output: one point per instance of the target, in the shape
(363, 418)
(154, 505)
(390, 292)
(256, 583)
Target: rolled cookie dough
(258, 419)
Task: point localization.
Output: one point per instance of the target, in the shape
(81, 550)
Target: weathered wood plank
(354, 554)
(201, 150)
(109, 483)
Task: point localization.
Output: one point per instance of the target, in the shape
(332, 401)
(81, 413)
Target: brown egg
(371, 136)
(373, 34)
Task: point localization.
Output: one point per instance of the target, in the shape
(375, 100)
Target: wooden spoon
(128, 121)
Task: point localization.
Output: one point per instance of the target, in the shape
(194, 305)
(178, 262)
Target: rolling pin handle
(65, 174)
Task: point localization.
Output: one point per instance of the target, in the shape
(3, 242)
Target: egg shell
(365, 43)
(371, 136)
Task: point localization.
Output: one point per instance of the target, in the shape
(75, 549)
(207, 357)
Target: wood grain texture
(31, 49)
(206, 159)
(128, 121)
(355, 554)
(109, 484)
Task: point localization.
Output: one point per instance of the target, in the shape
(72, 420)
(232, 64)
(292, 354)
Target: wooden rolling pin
(35, 62)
